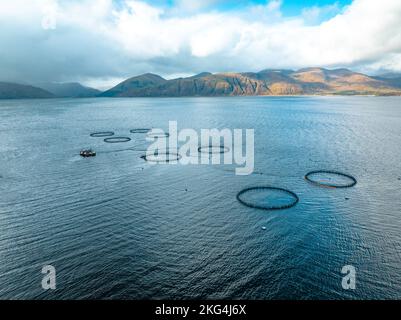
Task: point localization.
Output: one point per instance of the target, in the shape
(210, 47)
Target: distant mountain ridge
(308, 81)
(69, 90)
(135, 86)
(10, 90)
(20, 91)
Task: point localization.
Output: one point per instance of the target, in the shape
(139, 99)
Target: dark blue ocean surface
(116, 227)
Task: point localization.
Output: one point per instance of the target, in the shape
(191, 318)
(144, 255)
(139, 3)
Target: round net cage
(213, 149)
(158, 135)
(162, 157)
(102, 134)
(267, 198)
(330, 179)
(117, 140)
(140, 130)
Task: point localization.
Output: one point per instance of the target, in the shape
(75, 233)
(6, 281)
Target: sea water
(116, 227)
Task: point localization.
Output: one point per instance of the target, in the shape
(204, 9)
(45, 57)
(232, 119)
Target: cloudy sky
(102, 42)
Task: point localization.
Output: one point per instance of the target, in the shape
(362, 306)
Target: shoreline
(236, 96)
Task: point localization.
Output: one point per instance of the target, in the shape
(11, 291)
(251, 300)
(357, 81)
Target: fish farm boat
(88, 153)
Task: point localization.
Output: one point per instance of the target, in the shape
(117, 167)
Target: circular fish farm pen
(140, 130)
(117, 140)
(213, 149)
(102, 134)
(267, 198)
(164, 157)
(155, 135)
(330, 179)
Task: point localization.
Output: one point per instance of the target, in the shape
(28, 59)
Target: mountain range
(309, 81)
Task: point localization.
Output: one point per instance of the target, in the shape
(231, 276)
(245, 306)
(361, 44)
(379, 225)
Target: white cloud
(101, 40)
(274, 5)
(191, 6)
(317, 14)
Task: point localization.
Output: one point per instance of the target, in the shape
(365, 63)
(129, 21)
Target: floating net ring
(102, 134)
(156, 135)
(164, 157)
(213, 149)
(267, 198)
(327, 178)
(140, 130)
(117, 140)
